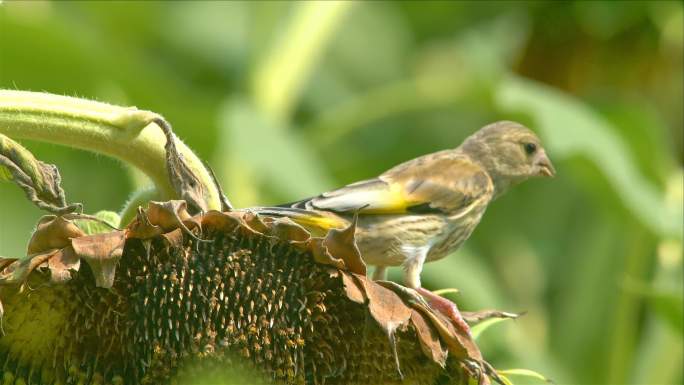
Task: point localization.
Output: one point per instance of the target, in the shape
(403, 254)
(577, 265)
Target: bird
(424, 209)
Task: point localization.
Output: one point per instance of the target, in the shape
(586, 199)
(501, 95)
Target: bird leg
(412, 268)
(380, 273)
(445, 307)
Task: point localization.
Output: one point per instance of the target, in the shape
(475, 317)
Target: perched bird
(424, 209)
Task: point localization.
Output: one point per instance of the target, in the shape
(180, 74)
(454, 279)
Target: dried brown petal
(459, 343)
(141, 228)
(286, 229)
(384, 305)
(351, 288)
(483, 315)
(221, 221)
(321, 254)
(429, 339)
(102, 253)
(341, 245)
(174, 238)
(61, 263)
(5, 261)
(52, 233)
(16, 273)
(168, 215)
(254, 222)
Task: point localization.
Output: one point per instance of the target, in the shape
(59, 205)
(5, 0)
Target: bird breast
(384, 239)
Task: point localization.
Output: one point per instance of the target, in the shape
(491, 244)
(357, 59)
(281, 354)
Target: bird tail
(321, 220)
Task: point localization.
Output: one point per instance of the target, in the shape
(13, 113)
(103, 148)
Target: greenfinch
(424, 209)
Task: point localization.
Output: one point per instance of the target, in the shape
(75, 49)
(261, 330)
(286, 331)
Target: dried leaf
(171, 215)
(321, 254)
(340, 244)
(40, 181)
(5, 261)
(16, 273)
(168, 215)
(188, 186)
(254, 222)
(141, 228)
(387, 309)
(284, 228)
(458, 342)
(483, 315)
(52, 233)
(221, 221)
(61, 263)
(429, 339)
(174, 238)
(102, 252)
(351, 288)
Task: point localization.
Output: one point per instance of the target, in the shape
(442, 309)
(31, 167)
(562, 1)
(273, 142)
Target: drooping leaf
(40, 181)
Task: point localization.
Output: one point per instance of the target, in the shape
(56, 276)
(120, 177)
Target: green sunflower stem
(125, 133)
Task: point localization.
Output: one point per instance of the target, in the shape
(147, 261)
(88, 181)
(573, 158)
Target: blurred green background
(289, 99)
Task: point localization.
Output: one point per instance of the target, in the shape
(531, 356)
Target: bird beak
(544, 164)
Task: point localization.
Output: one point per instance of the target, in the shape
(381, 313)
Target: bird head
(510, 152)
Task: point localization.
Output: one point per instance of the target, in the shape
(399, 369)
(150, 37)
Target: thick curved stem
(125, 133)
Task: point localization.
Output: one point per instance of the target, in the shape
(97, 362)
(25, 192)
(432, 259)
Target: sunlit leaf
(94, 227)
(450, 290)
(505, 379)
(478, 329)
(523, 373)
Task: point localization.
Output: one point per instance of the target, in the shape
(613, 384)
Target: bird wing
(434, 183)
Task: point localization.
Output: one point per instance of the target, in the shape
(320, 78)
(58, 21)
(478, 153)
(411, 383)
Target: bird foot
(445, 307)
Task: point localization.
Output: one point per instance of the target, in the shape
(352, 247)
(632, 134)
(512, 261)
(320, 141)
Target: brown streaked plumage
(425, 208)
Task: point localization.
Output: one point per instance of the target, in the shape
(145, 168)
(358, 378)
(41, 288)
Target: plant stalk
(125, 133)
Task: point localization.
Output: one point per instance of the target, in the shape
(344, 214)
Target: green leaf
(449, 290)
(476, 330)
(90, 226)
(523, 373)
(505, 379)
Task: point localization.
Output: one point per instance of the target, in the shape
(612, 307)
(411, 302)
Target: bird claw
(482, 371)
(408, 294)
(418, 297)
(447, 308)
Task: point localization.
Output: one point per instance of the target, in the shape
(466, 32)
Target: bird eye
(530, 148)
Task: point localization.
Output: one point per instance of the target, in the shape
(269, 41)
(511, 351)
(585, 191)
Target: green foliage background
(288, 99)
